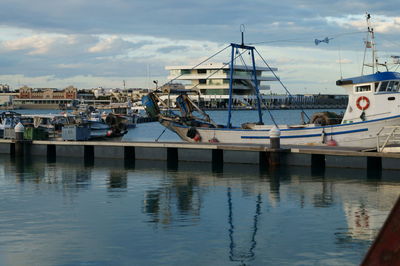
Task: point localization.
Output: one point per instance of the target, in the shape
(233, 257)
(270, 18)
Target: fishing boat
(373, 102)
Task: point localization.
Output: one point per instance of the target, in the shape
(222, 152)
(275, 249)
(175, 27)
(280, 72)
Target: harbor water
(65, 211)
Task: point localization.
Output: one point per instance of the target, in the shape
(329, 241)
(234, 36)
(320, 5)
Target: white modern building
(212, 79)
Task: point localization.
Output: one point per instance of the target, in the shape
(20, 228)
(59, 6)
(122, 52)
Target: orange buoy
(365, 101)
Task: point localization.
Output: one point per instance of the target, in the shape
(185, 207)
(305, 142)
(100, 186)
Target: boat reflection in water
(150, 213)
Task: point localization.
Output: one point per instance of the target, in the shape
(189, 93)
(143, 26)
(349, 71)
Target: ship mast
(370, 44)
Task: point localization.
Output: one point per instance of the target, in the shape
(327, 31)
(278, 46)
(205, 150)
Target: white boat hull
(359, 134)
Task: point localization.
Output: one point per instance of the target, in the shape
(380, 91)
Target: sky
(99, 43)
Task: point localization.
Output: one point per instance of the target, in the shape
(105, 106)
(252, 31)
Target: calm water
(71, 212)
(107, 213)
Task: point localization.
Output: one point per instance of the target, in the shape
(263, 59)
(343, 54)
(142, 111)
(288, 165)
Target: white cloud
(103, 45)
(344, 61)
(381, 24)
(35, 45)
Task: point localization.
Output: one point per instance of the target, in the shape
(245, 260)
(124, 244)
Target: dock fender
(192, 132)
(197, 138)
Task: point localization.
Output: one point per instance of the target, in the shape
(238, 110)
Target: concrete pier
(216, 153)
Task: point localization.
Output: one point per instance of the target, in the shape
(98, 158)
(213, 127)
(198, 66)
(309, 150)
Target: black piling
(374, 167)
(172, 159)
(217, 164)
(318, 161)
(51, 153)
(129, 157)
(263, 162)
(88, 155)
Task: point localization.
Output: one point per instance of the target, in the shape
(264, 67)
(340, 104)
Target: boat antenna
(370, 44)
(340, 62)
(242, 30)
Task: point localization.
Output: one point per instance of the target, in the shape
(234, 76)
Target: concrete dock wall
(214, 153)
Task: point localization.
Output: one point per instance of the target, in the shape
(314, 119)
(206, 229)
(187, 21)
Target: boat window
(363, 88)
(396, 86)
(391, 86)
(383, 86)
(376, 86)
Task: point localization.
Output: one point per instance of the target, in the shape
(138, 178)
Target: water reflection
(117, 180)
(174, 200)
(240, 253)
(238, 214)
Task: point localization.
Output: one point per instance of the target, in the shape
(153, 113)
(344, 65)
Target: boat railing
(388, 135)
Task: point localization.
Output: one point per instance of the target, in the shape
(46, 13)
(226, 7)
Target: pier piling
(217, 161)
(275, 142)
(88, 155)
(19, 139)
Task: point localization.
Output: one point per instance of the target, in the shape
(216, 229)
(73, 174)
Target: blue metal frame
(254, 75)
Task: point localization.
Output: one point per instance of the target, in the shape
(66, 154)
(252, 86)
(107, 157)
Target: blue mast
(230, 86)
(254, 79)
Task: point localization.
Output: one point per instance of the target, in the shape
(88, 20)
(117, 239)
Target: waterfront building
(51, 98)
(212, 80)
(44, 98)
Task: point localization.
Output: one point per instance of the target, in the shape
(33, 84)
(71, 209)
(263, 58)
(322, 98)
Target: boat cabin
(372, 96)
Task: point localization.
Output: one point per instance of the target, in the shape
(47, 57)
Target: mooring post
(19, 139)
(275, 145)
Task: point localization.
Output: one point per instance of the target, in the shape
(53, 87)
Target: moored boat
(373, 104)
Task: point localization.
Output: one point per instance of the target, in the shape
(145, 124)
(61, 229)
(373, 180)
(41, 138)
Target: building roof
(219, 66)
(379, 76)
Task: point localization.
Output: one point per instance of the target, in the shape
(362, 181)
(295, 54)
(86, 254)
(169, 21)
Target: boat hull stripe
(309, 135)
(300, 128)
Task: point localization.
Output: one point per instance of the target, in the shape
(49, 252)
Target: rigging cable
(306, 39)
(260, 97)
(216, 71)
(273, 72)
(202, 62)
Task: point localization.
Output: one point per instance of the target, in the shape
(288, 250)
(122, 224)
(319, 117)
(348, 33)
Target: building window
(202, 81)
(186, 72)
(202, 71)
(215, 82)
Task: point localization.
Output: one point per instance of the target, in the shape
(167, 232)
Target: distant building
(47, 93)
(213, 79)
(4, 88)
(45, 98)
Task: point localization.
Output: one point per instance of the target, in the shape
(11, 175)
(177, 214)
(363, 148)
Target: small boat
(373, 104)
(8, 120)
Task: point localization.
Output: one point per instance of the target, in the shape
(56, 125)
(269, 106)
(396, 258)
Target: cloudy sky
(91, 43)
